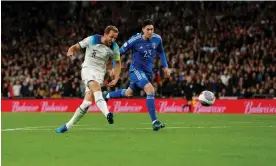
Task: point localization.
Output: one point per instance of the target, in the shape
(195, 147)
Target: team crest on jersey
(153, 45)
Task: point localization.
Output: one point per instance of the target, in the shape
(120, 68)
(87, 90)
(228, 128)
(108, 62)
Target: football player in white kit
(99, 49)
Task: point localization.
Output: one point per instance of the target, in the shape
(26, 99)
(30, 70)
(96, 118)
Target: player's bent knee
(149, 89)
(88, 96)
(129, 95)
(93, 86)
(129, 92)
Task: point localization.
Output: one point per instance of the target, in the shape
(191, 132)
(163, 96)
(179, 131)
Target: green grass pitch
(188, 140)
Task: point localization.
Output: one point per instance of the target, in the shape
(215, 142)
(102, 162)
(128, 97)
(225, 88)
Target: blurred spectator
(16, 88)
(226, 47)
(42, 91)
(25, 89)
(4, 90)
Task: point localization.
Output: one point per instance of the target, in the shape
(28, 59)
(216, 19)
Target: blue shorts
(138, 79)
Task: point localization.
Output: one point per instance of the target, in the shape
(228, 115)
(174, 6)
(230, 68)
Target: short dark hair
(111, 28)
(147, 22)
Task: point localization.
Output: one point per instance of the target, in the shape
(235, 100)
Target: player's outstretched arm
(128, 44)
(116, 66)
(117, 72)
(73, 49)
(80, 45)
(124, 48)
(163, 59)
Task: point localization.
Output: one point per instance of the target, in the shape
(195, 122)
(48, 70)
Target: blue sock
(118, 93)
(151, 106)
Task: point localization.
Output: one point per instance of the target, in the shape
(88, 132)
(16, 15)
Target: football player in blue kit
(144, 47)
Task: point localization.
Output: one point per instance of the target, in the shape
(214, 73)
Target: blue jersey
(143, 52)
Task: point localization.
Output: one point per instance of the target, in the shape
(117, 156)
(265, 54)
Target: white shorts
(88, 74)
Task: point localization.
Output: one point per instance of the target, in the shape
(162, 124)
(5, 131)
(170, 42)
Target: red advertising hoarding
(223, 106)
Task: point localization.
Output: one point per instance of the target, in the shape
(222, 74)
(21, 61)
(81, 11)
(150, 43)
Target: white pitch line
(37, 127)
(25, 128)
(86, 127)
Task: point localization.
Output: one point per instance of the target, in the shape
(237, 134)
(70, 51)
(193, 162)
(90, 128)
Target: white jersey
(96, 58)
(97, 54)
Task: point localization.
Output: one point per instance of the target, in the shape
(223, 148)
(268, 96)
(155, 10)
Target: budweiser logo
(210, 109)
(164, 107)
(118, 107)
(16, 107)
(250, 109)
(53, 107)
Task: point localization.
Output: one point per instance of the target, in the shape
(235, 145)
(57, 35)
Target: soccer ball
(206, 98)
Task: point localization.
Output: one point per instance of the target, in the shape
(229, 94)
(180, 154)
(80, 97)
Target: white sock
(154, 121)
(100, 102)
(80, 112)
(107, 96)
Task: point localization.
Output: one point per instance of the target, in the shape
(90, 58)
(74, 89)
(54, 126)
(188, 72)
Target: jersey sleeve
(162, 55)
(116, 55)
(128, 45)
(85, 42)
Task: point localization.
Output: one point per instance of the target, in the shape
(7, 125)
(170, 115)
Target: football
(206, 98)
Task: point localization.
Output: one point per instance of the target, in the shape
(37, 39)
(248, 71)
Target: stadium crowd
(226, 47)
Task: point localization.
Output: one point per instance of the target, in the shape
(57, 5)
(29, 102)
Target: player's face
(148, 31)
(110, 37)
